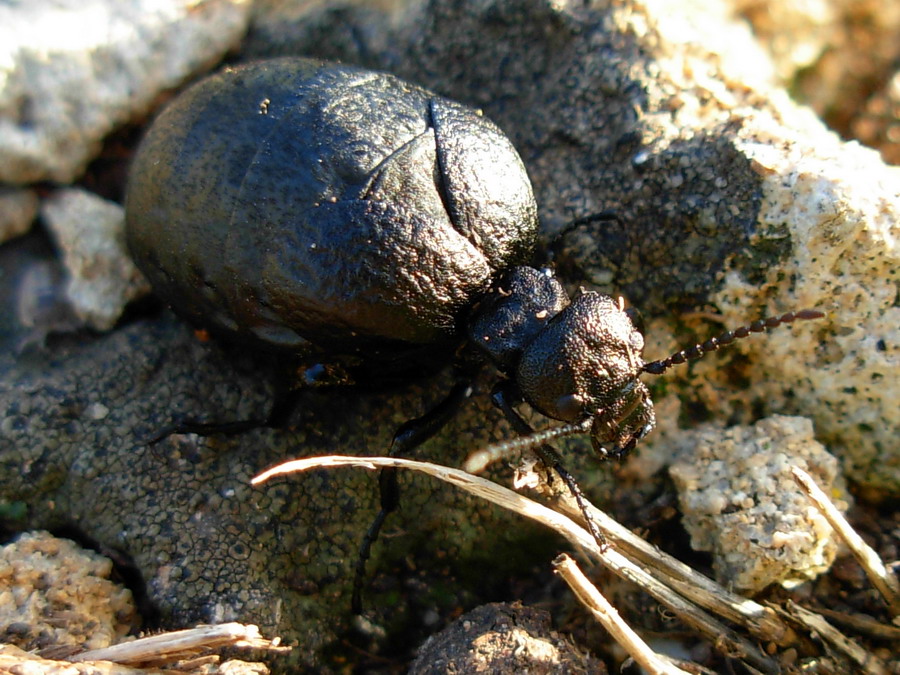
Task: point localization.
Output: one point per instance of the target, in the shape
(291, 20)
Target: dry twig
(723, 637)
(760, 621)
(866, 662)
(864, 625)
(176, 645)
(880, 576)
(609, 618)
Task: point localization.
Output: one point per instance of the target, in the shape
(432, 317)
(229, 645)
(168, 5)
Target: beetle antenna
(726, 338)
(478, 461)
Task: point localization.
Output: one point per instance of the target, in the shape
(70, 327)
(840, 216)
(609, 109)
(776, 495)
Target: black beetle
(309, 206)
(293, 202)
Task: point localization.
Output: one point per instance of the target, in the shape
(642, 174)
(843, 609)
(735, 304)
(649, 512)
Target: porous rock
(90, 234)
(739, 501)
(732, 201)
(18, 207)
(70, 72)
(54, 593)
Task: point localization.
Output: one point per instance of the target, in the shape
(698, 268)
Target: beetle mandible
(318, 208)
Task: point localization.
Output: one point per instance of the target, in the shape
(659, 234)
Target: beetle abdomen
(295, 200)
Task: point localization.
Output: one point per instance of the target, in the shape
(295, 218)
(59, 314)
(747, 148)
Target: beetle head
(584, 369)
(586, 363)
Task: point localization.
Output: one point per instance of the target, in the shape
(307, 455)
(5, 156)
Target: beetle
(294, 203)
(323, 209)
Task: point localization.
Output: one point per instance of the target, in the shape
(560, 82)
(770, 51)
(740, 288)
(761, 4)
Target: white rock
(739, 501)
(71, 71)
(18, 207)
(90, 233)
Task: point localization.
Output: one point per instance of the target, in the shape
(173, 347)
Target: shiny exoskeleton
(294, 202)
(319, 208)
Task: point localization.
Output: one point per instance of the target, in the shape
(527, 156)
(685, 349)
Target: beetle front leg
(502, 397)
(407, 438)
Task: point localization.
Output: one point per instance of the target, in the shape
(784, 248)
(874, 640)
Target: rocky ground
(747, 152)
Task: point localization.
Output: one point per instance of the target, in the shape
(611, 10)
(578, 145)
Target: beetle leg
(278, 416)
(503, 397)
(202, 429)
(407, 438)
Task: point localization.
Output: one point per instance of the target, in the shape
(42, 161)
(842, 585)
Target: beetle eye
(637, 342)
(569, 406)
